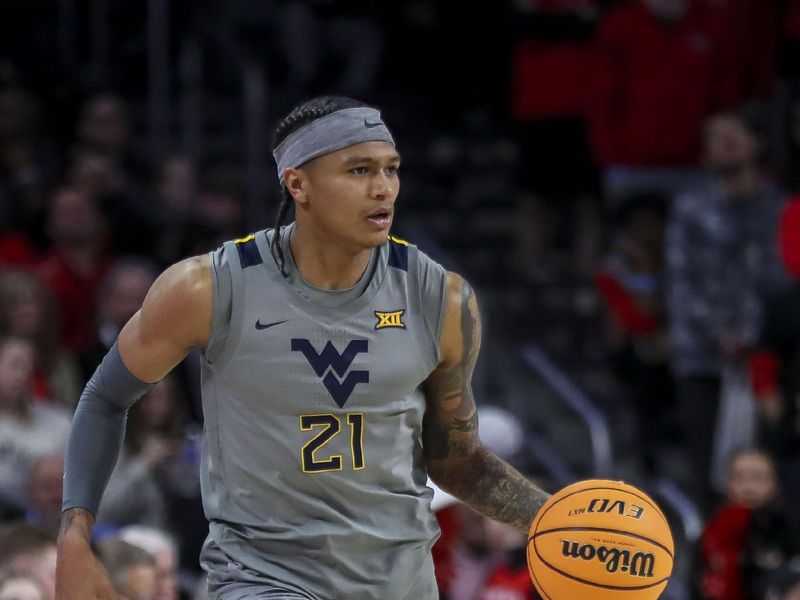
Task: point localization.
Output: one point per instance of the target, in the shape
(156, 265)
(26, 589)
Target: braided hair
(305, 113)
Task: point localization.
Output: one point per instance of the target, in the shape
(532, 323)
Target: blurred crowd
(85, 229)
(658, 150)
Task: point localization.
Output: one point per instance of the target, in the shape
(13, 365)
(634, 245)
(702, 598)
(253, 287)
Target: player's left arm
(454, 456)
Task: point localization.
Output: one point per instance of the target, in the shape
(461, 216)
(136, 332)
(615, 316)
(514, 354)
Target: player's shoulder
(186, 283)
(459, 290)
(191, 272)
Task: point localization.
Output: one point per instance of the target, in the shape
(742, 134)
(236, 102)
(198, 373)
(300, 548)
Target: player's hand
(79, 574)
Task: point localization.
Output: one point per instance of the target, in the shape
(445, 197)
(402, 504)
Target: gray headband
(330, 133)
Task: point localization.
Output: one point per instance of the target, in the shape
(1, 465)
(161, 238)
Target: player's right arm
(175, 317)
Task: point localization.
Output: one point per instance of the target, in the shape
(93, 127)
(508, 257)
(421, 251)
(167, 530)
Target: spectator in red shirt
(658, 74)
(750, 537)
(485, 560)
(76, 263)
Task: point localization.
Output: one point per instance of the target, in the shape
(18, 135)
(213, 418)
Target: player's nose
(382, 186)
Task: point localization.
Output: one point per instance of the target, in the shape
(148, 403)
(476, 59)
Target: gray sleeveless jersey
(313, 475)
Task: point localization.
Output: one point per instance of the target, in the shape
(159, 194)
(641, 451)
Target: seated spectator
(163, 549)
(75, 264)
(104, 129)
(133, 224)
(218, 214)
(132, 571)
(28, 310)
(192, 218)
(27, 550)
(19, 586)
(176, 191)
(477, 558)
(45, 487)
(485, 560)
(751, 536)
(28, 429)
(120, 295)
(159, 469)
(156, 482)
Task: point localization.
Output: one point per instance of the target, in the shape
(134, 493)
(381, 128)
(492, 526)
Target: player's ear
(296, 184)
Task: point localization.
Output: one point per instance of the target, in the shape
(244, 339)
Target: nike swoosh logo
(260, 325)
(369, 125)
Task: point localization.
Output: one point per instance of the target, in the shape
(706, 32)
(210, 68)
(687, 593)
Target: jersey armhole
(227, 307)
(432, 280)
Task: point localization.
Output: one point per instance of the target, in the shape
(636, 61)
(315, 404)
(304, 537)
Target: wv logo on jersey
(390, 319)
(333, 367)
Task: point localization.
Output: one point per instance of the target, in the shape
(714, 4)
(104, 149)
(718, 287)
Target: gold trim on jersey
(245, 239)
(397, 240)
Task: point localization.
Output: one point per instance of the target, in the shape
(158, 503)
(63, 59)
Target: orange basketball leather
(603, 540)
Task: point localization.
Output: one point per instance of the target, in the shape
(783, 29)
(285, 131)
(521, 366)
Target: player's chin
(376, 231)
(374, 239)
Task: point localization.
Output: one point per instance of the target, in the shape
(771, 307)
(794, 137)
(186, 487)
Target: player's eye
(359, 171)
(393, 171)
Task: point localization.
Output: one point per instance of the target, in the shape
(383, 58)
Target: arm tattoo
(454, 425)
(79, 519)
(454, 456)
(494, 489)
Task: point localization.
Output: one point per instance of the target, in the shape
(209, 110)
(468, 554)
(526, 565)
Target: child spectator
(749, 537)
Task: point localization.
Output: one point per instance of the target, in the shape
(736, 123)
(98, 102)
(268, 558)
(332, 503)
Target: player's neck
(326, 264)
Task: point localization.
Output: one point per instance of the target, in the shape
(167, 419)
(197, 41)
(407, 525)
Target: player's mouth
(381, 219)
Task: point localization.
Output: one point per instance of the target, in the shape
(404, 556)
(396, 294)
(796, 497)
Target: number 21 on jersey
(328, 427)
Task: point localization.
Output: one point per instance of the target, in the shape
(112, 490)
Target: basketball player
(336, 374)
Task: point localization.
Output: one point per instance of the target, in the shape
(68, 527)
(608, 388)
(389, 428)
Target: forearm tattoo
(78, 519)
(453, 452)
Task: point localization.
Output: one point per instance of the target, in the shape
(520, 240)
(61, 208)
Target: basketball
(600, 540)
